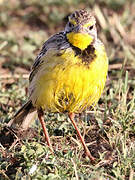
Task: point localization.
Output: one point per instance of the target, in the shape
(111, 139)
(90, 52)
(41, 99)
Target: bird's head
(81, 29)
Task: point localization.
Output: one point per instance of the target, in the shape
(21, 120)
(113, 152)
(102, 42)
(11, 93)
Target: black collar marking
(87, 55)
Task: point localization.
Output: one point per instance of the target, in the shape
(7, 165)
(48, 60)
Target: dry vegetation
(109, 130)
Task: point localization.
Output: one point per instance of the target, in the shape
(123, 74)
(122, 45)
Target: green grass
(109, 130)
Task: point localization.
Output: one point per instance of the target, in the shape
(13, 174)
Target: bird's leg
(40, 116)
(71, 116)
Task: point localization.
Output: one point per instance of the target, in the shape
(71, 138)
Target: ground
(108, 130)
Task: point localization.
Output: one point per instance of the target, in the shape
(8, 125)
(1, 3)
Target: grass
(109, 130)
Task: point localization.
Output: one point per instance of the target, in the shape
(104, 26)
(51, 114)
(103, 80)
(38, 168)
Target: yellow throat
(79, 40)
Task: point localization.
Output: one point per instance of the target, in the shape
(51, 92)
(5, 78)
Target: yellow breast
(65, 84)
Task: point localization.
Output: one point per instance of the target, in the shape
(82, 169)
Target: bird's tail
(23, 117)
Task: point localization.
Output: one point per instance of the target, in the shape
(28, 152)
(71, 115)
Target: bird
(68, 75)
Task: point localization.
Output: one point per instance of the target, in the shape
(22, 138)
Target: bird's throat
(79, 40)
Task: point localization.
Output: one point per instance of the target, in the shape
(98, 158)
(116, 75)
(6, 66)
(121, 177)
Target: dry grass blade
(100, 17)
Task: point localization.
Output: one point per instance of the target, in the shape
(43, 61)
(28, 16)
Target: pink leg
(40, 116)
(71, 116)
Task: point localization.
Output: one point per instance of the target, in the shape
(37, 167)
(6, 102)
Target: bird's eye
(70, 24)
(91, 27)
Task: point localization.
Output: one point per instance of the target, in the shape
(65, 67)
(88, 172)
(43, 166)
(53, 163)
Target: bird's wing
(57, 41)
